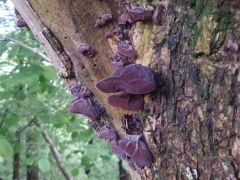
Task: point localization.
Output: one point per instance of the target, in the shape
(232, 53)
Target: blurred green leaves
(31, 92)
(6, 149)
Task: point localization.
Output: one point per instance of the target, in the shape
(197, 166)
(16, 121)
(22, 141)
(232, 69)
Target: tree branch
(56, 154)
(34, 50)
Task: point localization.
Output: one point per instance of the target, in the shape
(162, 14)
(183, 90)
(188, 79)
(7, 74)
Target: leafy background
(31, 94)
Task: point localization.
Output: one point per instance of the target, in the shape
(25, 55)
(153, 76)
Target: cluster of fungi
(132, 81)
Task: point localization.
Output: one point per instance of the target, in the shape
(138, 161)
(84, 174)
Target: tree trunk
(192, 120)
(16, 160)
(32, 170)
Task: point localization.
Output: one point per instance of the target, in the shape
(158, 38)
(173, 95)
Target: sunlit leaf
(44, 165)
(6, 149)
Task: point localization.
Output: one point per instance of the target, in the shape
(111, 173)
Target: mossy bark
(192, 120)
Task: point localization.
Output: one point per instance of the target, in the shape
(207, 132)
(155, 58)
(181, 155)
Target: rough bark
(192, 120)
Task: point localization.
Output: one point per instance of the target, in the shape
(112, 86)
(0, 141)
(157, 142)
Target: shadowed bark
(191, 122)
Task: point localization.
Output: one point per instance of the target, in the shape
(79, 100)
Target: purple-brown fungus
(131, 102)
(103, 20)
(137, 150)
(80, 91)
(84, 107)
(124, 19)
(131, 79)
(21, 23)
(107, 132)
(119, 61)
(132, 124)
(116, 149)
(126, 51)
(135, 14)
(86, 50)
(139, 14)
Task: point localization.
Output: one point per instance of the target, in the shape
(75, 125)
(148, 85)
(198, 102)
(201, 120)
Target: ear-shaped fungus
(127, 51)
(21, 23)
(80, 91)
(124, 19)
(86, 50)
(139, 14)
(131, 79)
(137, 150)
(106, 132)
(84, 107)
(105, 18)
(132, 102)
(117, 150)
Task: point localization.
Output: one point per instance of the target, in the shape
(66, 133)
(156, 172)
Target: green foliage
(44, 165)
(6, 149)
(30, 92)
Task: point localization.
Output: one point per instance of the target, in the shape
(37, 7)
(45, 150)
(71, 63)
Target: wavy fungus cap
(131, 79)
(131, 102)
(84, 107)
(126, 50)
(139, 14)
(137, 150)
(106, 132)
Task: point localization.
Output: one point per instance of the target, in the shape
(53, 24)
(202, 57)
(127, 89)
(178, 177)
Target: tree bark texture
(192, 120)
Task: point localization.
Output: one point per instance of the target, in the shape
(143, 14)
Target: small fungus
(127, 51)
(103, 20)
(107, 17)
(99, 23)
(80, 91)
(85, 107)
(21, 23)
(86, 50)
(132, 124)
(124, 19)
(106, 132)
(139, 14)
(116, 149)
(131, 79)
(118, 61)
(131, 102)
(137, 150)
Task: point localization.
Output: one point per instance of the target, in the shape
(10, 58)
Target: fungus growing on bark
(131, 102)
(21, 23)
(103, 20)
(80, 91)
(131, 79)
(135, 14)
(86, 50)
(132, 124)
(106, 132)
(84, 107)
(124, 19)
(116, 149)
(137, 150)
(118, 61)
(139, 14)
(126, 51)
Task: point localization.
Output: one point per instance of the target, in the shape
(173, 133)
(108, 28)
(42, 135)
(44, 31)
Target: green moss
(143, 115)
(221, 23)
